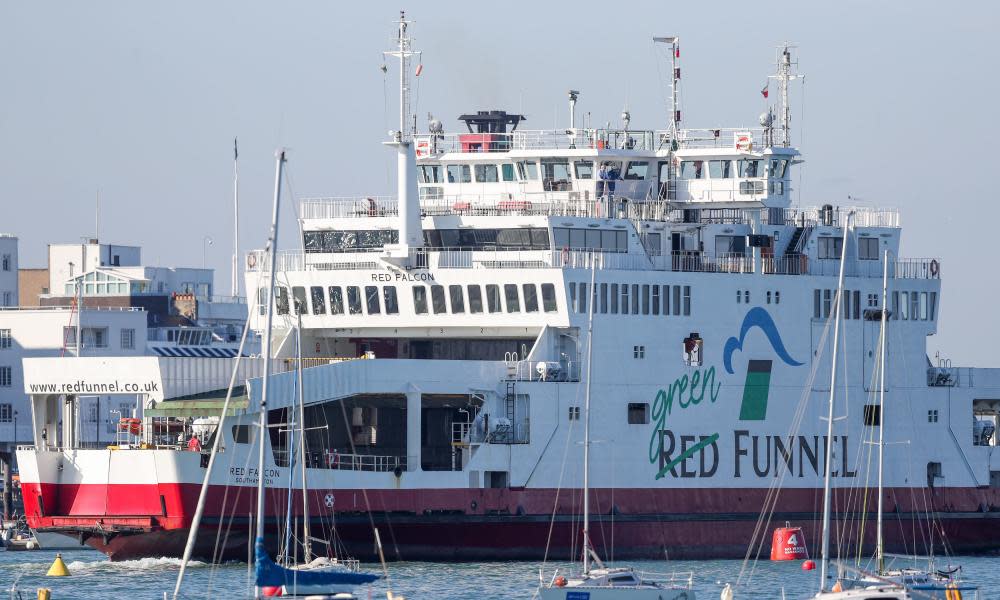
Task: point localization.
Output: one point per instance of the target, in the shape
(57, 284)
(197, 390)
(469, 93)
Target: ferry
(442, 336)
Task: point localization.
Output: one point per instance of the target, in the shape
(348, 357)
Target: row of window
(635, 299)
(518, 238)
(723, 168)
(831, 247)
(374, 300)
(907, 306)
(743, 296)
(606, 240)
(552, 169)
(455, 298)
(98, 337)
(348, 241)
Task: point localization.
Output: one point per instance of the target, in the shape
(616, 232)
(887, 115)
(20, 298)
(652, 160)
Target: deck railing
(688, 262)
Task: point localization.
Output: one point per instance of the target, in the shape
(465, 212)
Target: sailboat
(929, 583)
(320, 576)
(595, 581)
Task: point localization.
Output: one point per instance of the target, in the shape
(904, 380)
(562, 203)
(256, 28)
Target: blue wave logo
(759, 318)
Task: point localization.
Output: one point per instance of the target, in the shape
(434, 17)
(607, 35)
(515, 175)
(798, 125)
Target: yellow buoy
(44, 593)
(58, 568)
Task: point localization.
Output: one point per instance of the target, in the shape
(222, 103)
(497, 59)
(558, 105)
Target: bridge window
(528, 170)
(475, 299)
(354, 300)
(437, 299)
(625, 299)
(391, 302)
(431, 174)
(868, 248)
(635, 298)
(530, 297)
(687, 300)
(778, 167)
(749, 168)
(336, 300)
(457, 300)
(486, 173)
(318, 300)
(281, 299)
(549, 297)
(507, 171)
(420, 299)
(692, 169)
(555, 174)
(604, 299)
(459, 174)
(513, 302)
(720, 169)
(614, 298)
(637, 170)
(656, 299)
(584, 169)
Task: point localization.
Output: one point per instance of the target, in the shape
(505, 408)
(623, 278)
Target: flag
(763, 92)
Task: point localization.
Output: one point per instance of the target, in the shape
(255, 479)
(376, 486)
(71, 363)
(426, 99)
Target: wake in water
(83, 567)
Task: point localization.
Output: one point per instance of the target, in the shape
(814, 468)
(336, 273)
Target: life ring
(935, 267)
(130, 424)
(560, 581)
(251, 260)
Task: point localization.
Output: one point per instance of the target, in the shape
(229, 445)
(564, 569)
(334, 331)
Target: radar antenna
(784, 76)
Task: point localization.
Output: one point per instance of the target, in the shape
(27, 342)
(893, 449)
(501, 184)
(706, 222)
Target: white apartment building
(53, 332)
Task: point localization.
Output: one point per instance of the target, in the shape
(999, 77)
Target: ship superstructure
(443, 330)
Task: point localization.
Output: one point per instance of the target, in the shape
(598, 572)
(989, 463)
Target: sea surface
(94, 576)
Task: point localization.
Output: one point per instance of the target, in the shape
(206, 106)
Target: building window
(638, 413)
(6, 412)
(5, 339)
(5, 376)
(95, 337)
(868, 248)
(830, 247)
(873, 415)
(574, 413)
(638, 352)
(932, 416)
(128, 339)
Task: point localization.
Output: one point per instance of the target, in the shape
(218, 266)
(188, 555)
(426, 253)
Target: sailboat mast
(586, 414)
(306, 540)
(825, 562)
(235, 290)
(879, 541)
(272, 266)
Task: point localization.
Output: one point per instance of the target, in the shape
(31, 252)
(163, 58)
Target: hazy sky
(141, 100)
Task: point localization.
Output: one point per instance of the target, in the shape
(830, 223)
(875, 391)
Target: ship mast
(675, 78)
(262, 427)
(410, 233)
(784, 76)
(825, 562)
(880, 542)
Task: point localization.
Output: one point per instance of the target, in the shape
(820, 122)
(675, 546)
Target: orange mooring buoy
(788, 543)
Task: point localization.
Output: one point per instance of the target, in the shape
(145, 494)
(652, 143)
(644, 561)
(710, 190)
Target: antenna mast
(784, 76)
(675, 78)
(403, 52)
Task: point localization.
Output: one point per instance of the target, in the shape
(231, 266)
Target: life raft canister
(788, 543)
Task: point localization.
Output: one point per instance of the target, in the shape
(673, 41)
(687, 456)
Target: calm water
(93, 576)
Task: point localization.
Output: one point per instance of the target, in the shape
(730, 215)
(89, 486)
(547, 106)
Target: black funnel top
(491, 121)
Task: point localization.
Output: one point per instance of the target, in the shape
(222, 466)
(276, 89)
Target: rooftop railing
(539, 139)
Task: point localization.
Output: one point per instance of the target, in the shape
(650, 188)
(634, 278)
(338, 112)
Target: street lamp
(205, 243)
